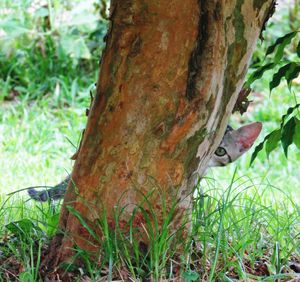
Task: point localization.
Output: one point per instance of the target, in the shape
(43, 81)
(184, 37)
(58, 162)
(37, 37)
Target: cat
(54, 193)
(233, 145)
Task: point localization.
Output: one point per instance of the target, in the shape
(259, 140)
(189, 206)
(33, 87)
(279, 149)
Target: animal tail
(53, 193)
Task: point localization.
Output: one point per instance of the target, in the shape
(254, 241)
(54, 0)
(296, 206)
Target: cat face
(235, 143)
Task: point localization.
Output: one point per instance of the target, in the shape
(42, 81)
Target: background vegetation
(247, 226)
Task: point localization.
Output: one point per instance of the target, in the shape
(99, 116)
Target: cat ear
(246, 135)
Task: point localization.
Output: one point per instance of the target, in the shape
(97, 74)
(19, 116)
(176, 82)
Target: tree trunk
(169, 78)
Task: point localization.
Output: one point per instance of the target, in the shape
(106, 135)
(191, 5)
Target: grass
(39, 154)
(239, 233)
(246, 224)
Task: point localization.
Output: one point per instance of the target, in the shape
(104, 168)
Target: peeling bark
(169, 78)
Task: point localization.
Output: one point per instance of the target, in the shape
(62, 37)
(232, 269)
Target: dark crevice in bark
(50, 262)
(135, 46)
(192, 161)
(269, 14)
(194, 66)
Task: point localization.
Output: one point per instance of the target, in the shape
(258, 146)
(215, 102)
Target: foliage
(287, 68)
(48, 49)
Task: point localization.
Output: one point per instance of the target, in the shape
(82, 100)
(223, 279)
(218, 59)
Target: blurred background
(49, 59)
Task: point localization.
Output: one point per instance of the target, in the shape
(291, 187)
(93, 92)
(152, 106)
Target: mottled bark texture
(169, 78)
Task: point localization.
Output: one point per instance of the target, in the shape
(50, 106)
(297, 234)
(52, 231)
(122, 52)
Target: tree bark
(169, 78)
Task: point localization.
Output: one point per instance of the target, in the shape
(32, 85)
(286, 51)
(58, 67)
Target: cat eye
(220, 152)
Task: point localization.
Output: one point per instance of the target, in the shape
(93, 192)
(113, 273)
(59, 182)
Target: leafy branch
(289, 130)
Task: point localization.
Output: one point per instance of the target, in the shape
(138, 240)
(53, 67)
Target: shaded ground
(13, 269)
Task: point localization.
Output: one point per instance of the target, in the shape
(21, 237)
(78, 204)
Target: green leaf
(271, 268)
(272, 141)
(279, 75)
(259, 73)
(292, 73)
(22, 228)
(282, 41)
(14, 27)
(26, 277)
(298, 49)
(41, 12)
(287, 134)
(280, 48)
(258, 148)
(288, 112)
(82, 221)
(75, 47)
(190, 276)
(297, 133)
(52, 224)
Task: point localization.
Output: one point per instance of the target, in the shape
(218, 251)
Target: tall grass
(240, 232)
